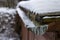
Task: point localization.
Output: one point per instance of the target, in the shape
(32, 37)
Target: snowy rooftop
(41, 6)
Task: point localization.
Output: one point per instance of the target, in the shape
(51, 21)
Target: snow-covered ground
(7, 23)
(41, 6)
(7, 10)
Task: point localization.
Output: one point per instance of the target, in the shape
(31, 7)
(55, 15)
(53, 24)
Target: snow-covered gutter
(28, 23)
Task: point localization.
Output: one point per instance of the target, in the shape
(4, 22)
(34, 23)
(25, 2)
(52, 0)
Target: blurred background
(9, 3)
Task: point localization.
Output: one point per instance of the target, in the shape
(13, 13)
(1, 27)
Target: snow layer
(28, 23)
(7, 10)
(51, 17)
(41, 6)
(7, 24)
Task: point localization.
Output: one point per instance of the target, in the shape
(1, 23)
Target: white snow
(28, 23)
(3, 9)
(12, 11)
(7, 10)
(51, 17)
(41, 6)
(6, 26)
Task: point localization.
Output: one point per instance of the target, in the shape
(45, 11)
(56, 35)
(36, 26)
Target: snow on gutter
(28, 23)
(41, 6)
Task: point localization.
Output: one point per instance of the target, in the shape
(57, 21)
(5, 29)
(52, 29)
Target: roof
(41, 6)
